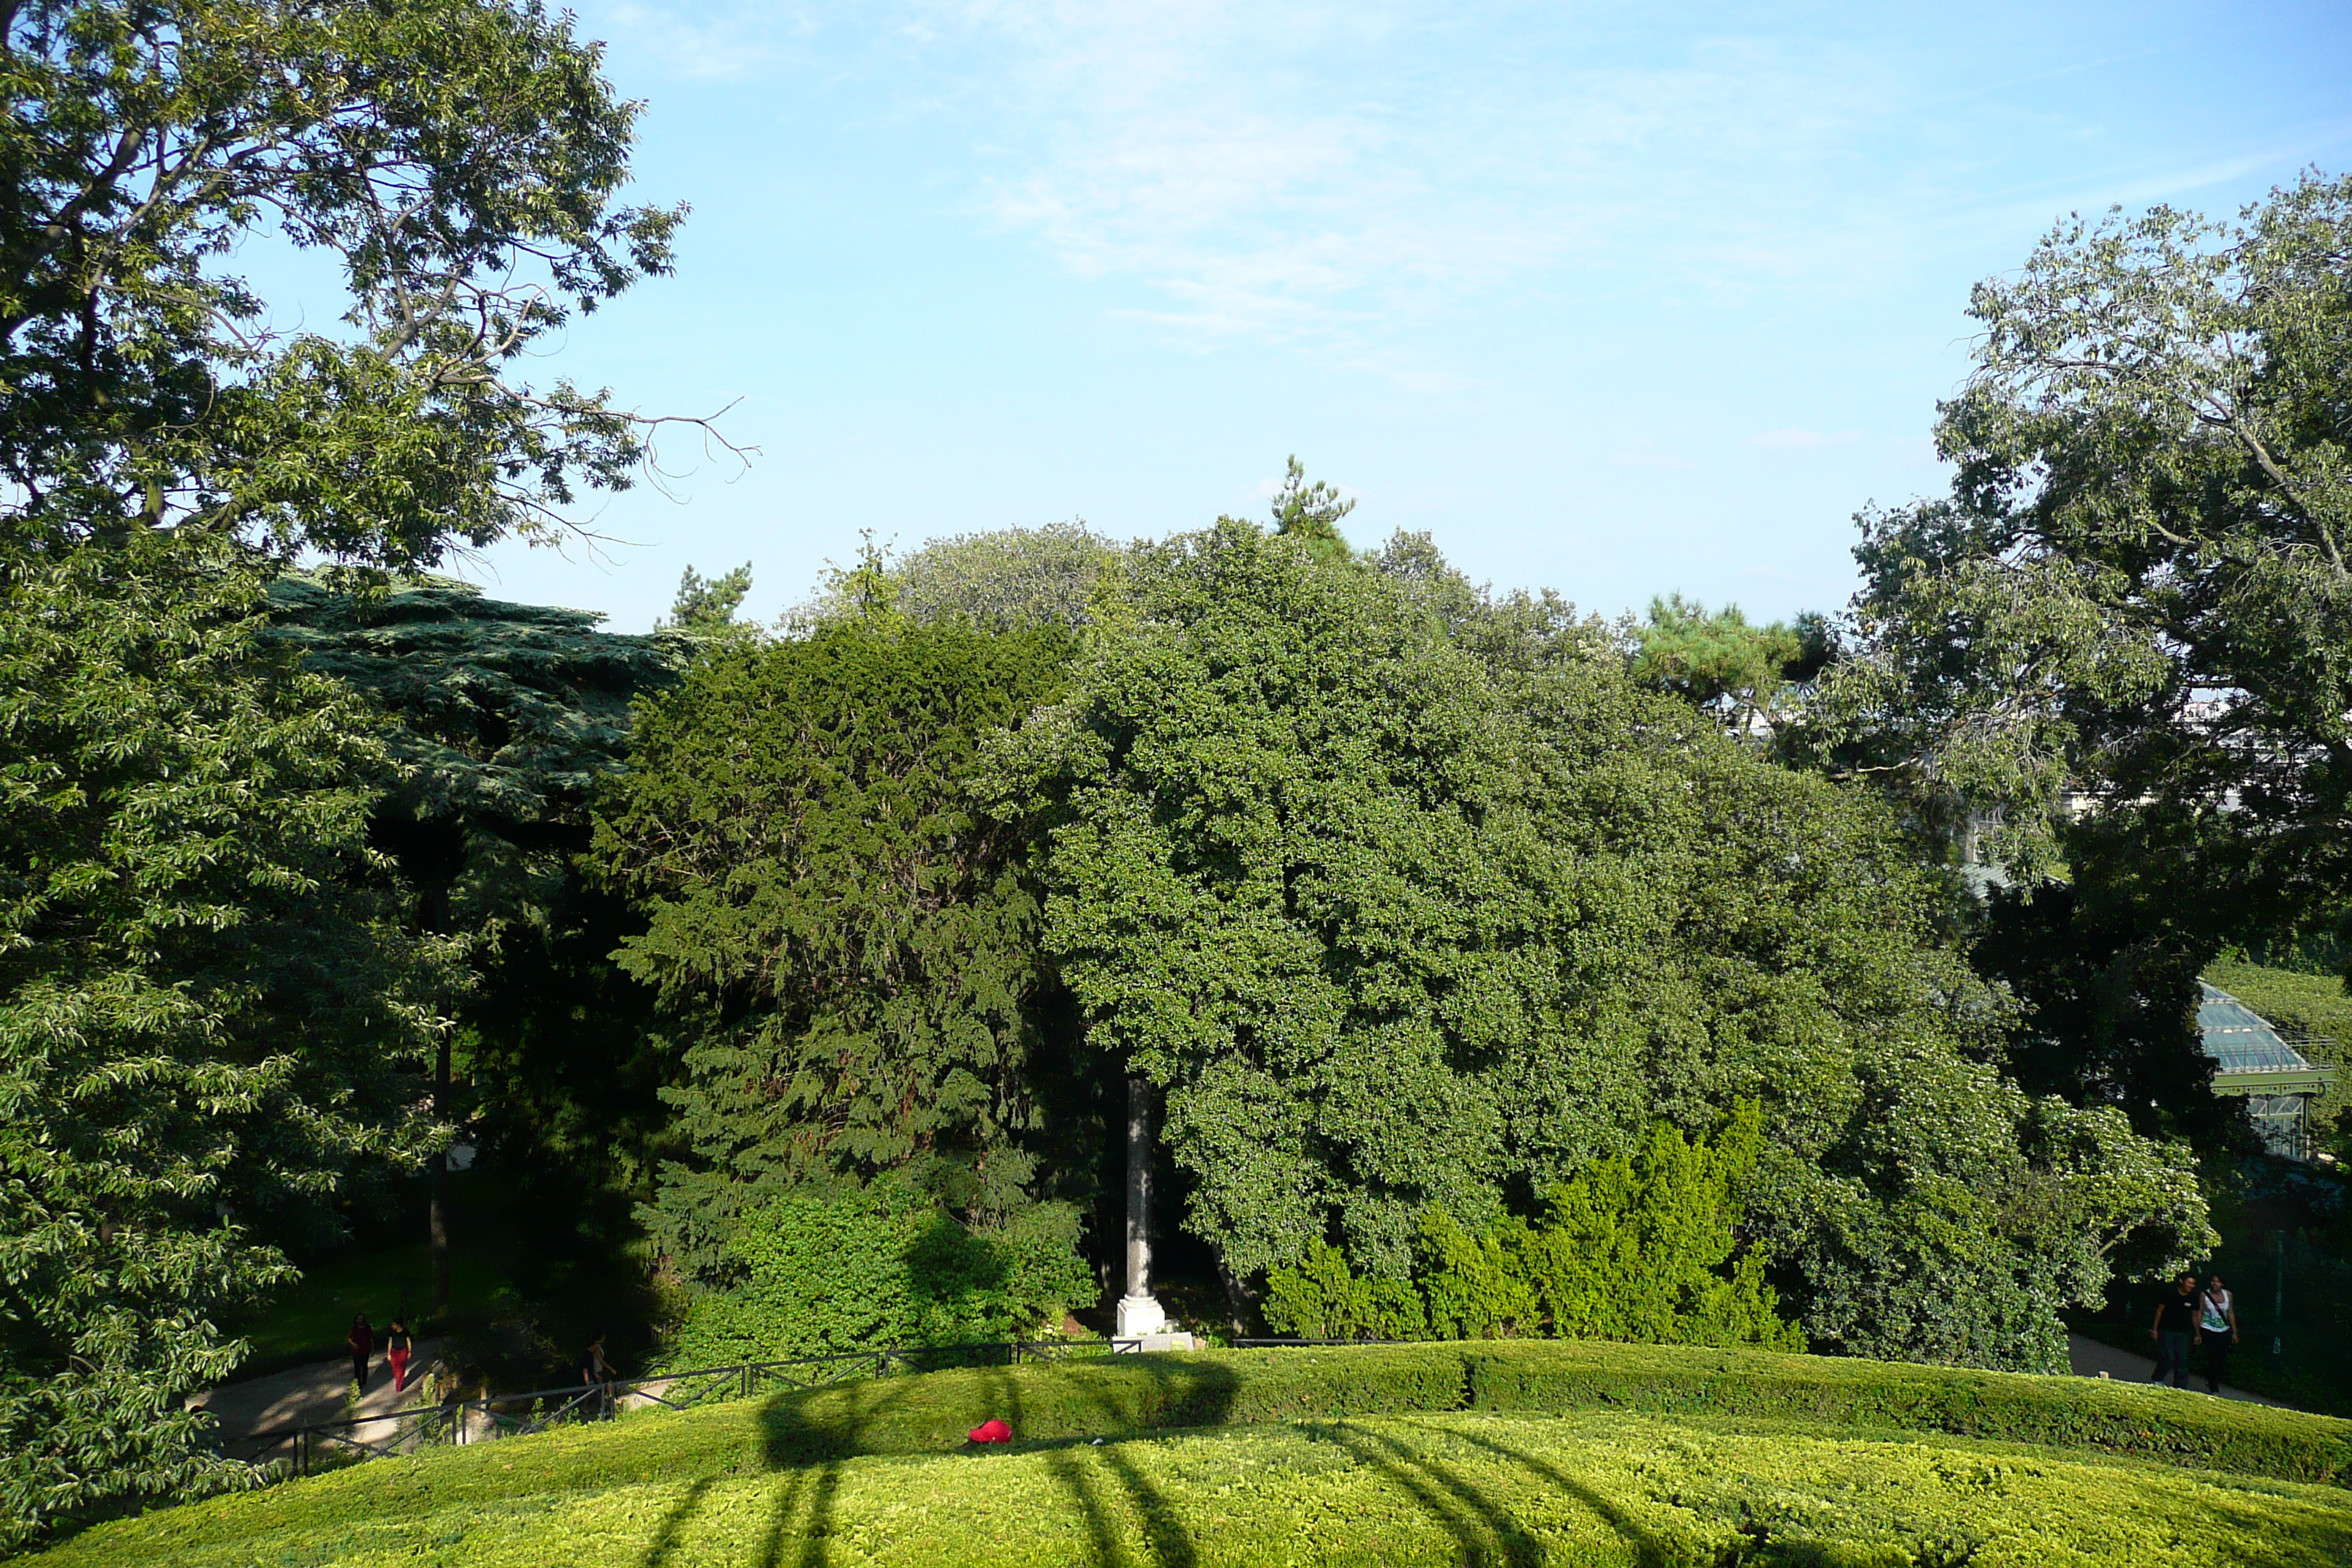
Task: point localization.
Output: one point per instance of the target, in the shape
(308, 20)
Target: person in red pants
(397, 1347)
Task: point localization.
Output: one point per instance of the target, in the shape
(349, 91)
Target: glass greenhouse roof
(2248, 1054)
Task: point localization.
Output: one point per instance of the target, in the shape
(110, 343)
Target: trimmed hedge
(1810, 1399)
(1241, 1387)
(1587, 1491)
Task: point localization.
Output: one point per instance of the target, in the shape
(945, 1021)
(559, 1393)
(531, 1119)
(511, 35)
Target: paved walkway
(302, 1395)
(2092, 1359)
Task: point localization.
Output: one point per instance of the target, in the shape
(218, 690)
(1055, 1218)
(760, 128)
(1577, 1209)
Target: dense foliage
(1754, 677)
(1410, 914)
(843, 943)
(2138, 588)
(1639, 1246)
(456, 158)
(208, 989)
(504, 717)
(204, 995)
(882, 1267)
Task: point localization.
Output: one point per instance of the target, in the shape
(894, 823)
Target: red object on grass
(991, 1431)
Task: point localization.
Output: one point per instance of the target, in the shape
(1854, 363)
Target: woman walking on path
(2217, 1325)
(397, 1347)
(362, 1339)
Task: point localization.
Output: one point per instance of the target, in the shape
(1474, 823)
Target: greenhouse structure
(2253, 1061)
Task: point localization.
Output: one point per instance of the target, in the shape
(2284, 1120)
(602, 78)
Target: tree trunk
(1241, 1302)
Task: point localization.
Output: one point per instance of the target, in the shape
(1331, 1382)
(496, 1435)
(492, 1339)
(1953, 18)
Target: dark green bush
(882, 1267)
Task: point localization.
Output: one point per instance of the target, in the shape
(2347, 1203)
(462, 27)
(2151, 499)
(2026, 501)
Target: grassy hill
(1438, 1453)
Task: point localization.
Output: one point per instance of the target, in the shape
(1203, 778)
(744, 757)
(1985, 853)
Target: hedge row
(931, 1412)
(1583, 1490)
(1225, 1388)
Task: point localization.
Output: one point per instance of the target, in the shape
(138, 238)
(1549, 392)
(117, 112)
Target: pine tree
(843, 941)
(506, 717)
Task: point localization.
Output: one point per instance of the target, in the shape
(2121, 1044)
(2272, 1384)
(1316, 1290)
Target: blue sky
(1607, 298)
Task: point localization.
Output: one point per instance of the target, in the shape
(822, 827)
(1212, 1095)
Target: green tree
(1311, 515)
(707, 606)
(455, 164)
(843, 942)
(507, 717)
(1413, 907)
(2137, 595)
(206, 992)
(457, 158)
(879, 1268)
(1009, 577)
(1748, 674)
(1638, 1247)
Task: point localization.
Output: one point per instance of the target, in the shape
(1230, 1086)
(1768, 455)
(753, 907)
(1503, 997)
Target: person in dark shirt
(362, 1339)
(397, 1347)
(2174, 1330)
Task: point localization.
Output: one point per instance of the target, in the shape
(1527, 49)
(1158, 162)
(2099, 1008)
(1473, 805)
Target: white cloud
(1318, 173)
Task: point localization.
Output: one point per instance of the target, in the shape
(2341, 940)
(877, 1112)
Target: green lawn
(1437, 1454)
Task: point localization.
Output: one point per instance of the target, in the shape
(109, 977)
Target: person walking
(362, 1339)
(2175, 1327)
(595, 1372)
(2217, 1325)
(397, 1347)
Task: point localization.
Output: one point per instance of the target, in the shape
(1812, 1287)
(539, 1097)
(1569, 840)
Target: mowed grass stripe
(1589, 1489)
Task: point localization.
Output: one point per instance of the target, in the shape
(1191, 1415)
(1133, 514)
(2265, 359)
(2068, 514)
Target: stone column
(1139, 1312)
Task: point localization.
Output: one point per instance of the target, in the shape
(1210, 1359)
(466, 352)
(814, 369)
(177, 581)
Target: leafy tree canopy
(844, 943)
(707, 606)
(1414, 909)
(2138, 586)
(1311, 514)
(880, 1268)
(1640, 1246)
(1049, 576)
(1749, 674)
(458, 160)
(205, 997)
(209, 990)
(507, 717)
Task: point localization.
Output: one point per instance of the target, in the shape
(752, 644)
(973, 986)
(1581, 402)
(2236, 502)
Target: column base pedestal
(1141, 1315)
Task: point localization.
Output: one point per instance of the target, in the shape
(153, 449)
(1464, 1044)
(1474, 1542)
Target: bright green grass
(1463, 1486)
(1438, 1453)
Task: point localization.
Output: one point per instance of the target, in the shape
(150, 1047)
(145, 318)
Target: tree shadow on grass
(1484, 1530)
(1649, 1550)
(1177, 1394)
(795, 1443)
(1138, 1396)
(779, 1518)
(664, 1542)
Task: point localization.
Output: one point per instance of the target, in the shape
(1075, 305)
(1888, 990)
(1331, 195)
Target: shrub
(1323, 1298)
(880, 1267)
(1639, 1247)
